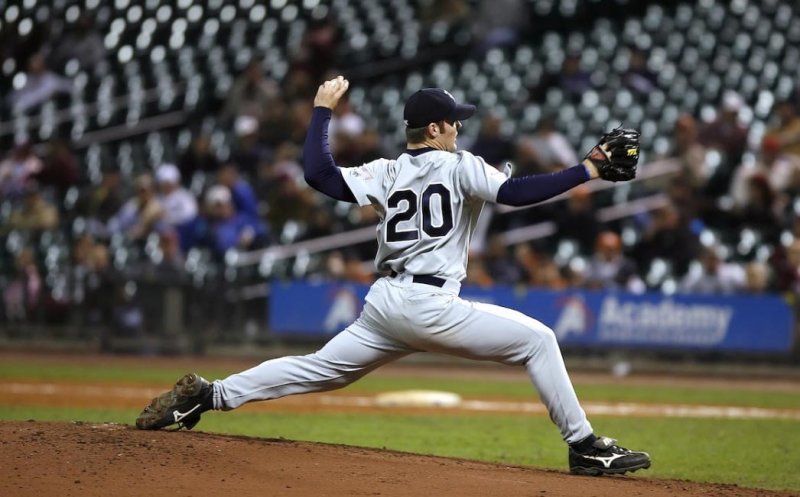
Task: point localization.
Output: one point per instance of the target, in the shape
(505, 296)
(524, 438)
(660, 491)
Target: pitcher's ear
(434, 130)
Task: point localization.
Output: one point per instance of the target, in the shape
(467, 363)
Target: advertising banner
(578, 318)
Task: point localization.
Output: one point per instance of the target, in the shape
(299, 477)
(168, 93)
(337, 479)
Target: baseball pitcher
(429, 200)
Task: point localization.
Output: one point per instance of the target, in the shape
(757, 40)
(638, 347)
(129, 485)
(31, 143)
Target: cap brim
(463, 111)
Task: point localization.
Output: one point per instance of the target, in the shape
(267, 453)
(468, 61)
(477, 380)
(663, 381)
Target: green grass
(522, 390)
(509, 389)
(754, 453)
(17, 370)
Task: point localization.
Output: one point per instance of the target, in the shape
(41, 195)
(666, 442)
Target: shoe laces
(609, 445)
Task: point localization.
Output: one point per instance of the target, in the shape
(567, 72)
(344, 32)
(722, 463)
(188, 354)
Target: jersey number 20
(410, 197)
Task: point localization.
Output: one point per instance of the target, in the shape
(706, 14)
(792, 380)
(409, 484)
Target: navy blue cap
(431, 105)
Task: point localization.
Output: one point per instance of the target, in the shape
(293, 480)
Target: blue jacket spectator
(242, 194)
(229, 229)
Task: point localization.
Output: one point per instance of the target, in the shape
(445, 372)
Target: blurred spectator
(787, 128)
(610, 268)
(686, 147)
(299, 84)
(171, 262)
(248, 153)
(299, 116)
(230, 229)
(60, 167)
(689, 157)
(15, 170)
(727, 136)
(285, 166)
(527, 259)
(334, 266)
(638, 78)
(345, 120)
(759, 278)
(318, 48)
(293, 211)
(346, 266)
(251, 94)
(364, 216)
(40, 85)
(761, 212)
(577, 220)
(22, 293)
(35, 213)
(100, 287)
(16, 44)
(83, 251)
(688, 202)
(179, 204)
(500, 266)
(84, 294)
(666, 237)
(129, 319)
(500, 23)
(318, 221)
(477, 273)
(100, 203)
(575, 275)
(275, 128)
(198, 158)
(787, 273)
(368, 147)
(548, 275)
(492, 144)
(546, 150)
(242, 194)
(792, 190)
(140, 214)
(83, 43)
(444, 11)
(358, 216)
(571, 79)
(345, 130)
(780, 170)
(356, 270)
(713, 275)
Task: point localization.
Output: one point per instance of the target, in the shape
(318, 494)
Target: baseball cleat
(182, 405)
(605, 457)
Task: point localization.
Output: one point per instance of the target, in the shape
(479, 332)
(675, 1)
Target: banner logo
(343, 311)
(664, 322)
(574, 318)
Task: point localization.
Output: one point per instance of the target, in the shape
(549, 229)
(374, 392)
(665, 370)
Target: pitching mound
(88, 459)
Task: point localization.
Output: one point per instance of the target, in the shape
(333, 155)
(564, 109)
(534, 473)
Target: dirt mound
(89, 459)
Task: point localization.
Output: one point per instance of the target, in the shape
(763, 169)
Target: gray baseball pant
(401, 317)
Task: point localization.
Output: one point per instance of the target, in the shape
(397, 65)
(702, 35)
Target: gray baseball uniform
(428, 204)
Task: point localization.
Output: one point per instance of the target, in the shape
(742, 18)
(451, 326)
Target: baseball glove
(616, 154)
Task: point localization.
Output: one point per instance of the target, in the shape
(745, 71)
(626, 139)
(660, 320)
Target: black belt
(425, 279)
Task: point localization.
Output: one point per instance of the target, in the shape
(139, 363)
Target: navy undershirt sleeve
(528, 190)
(319, 167)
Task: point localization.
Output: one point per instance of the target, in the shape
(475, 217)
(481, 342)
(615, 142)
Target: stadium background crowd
(85, 216)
